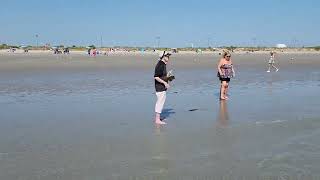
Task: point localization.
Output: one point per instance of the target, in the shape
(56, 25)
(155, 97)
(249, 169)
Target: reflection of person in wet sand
(272, 61)
(225, 72)
(223, 118)
(160, 153)
(225, 144)
(270, 81)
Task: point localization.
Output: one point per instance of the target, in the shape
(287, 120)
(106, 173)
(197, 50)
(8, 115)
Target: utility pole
(209, 42)
(101, 42)
(294, 42)
(37, 40)
(254, 42)
(158, 41)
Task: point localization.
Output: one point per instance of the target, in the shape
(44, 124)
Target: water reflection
(270, 81)
(160, 160)
(223, 118)
(224, 144)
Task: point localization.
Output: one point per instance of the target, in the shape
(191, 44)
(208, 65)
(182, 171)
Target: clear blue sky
(178, 23)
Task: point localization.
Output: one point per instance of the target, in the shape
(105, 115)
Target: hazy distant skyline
(177, 23)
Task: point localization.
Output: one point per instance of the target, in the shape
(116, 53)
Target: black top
(160, 71)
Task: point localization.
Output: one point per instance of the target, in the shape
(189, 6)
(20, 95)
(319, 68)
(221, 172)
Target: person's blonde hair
(225, 53)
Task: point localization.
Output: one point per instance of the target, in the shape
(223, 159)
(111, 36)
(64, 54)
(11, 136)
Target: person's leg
(269, 67)
(222, 90)
(226, 90)
(161, 98)
(275, 67)
(164, 97)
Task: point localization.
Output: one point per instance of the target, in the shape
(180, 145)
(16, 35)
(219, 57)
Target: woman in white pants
(161, 85)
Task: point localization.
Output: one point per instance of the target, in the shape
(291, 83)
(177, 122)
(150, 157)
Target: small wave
(271, 122)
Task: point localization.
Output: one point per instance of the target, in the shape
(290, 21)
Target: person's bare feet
(226, 97)
(222, 98)
(160, 122)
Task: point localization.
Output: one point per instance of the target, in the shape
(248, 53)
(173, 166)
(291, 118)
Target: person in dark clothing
(161, 84)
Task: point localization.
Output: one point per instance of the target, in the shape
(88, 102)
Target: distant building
(281, 46)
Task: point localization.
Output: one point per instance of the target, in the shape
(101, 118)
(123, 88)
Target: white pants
(161, 99)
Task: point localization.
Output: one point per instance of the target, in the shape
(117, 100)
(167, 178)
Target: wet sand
(78, 117)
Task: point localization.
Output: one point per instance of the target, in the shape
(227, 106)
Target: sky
(169, 23)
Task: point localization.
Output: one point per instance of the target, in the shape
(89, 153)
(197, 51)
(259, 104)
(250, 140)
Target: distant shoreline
(151, 52)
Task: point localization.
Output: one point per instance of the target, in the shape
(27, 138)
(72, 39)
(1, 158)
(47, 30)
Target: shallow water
(97, 123)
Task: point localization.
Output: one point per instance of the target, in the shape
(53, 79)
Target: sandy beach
(78, 117)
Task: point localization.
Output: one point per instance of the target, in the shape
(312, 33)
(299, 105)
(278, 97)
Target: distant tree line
(6, 46)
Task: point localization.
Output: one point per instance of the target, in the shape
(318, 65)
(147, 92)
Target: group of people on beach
(225, 72)
(94, 52)
(57, 50)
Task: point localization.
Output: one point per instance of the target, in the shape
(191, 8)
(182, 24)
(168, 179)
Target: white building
(281, 46)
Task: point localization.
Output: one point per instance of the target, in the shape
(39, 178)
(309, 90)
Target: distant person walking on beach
(94, 52)
(272, 61)
(225, 72)
(161, 84)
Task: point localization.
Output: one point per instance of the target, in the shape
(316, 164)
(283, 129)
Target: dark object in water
(193, 109)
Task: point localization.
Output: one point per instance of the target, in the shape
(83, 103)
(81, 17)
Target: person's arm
(162, 81)
(233, 71)
(219, 67)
